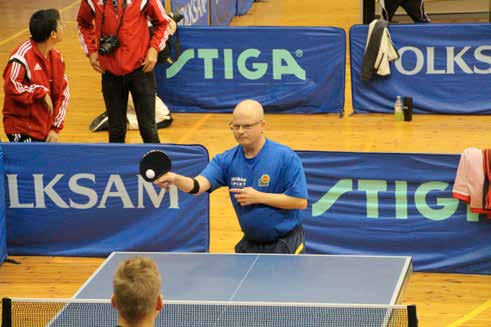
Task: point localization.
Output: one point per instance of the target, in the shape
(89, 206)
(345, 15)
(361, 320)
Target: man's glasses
(245, 127)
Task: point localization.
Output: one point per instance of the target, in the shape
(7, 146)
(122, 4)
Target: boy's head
(137, 289)
(43, 23)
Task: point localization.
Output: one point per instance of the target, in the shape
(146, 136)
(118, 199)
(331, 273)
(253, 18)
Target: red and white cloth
(469, 185)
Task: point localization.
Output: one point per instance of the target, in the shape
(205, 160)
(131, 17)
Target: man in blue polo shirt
(266, 182)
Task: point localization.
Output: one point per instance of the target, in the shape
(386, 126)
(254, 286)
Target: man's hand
(172, 27)
(49, 103)
(94, 62)
(166, 180)
(150, 60)
(52, 137)
(246, 196)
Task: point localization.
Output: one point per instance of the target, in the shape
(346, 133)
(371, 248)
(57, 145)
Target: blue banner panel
(195, 12)
(393, 204)
(3, 227)
(445, 68)
(222, 12)
(243, 6)
(219, 67)
(89, 200)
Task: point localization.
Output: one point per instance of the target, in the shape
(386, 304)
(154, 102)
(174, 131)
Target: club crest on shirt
(264, 180)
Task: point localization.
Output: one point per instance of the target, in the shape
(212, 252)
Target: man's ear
(113, 302)
(160, 303)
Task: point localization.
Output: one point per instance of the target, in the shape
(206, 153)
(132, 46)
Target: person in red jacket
(35, 84)
(115, 37)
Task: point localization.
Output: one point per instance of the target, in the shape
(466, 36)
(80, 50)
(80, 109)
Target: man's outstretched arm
(184, 183)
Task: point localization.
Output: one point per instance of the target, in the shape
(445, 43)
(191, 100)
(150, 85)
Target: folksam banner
(195, 12)
(3, 227)
(243, 6)
(218, 67)
(445, 68)
(89, 200)
(222, 12)
(393, 204)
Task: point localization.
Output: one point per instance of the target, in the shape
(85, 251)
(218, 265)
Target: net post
(412, 318)
(6, 312)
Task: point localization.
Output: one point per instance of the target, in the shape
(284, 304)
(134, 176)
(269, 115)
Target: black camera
(177, 17)
(108, 44)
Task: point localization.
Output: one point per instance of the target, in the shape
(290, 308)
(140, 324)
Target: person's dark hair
(42, 23)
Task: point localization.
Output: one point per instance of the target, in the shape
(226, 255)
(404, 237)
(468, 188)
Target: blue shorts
(292, 243)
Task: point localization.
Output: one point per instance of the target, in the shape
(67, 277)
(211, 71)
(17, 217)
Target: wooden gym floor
(441, 299)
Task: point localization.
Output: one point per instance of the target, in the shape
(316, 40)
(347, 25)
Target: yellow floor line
(26, 30)
(193, 129)
(483, 307)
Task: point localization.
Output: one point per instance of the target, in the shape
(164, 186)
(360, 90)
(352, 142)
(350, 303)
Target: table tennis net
(78, 312)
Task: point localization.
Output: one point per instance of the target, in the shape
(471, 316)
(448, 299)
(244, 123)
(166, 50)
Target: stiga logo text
(445, 206)
(250, 63)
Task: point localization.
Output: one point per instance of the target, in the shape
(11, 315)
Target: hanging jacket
(379, 51)
(469, 180)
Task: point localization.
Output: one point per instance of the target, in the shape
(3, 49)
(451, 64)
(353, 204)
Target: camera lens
(177, 17)
(107, 44)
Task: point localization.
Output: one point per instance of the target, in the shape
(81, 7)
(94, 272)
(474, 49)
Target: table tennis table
(266, 277)
(195, 285)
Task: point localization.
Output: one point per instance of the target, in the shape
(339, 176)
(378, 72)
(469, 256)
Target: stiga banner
(243, 6)
(393, 204)
(445, 68)
(222, 12)
(89, 200)
(195, 12)
(3, 228)
(218, 67)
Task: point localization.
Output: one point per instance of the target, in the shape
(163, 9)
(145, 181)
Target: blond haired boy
(137, 295)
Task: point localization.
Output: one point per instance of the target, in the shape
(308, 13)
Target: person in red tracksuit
(36, 87)
(115, 37)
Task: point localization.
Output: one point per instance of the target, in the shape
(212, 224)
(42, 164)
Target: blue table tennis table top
(340, 279)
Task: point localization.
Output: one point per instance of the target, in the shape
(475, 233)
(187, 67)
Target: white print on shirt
(238, 182)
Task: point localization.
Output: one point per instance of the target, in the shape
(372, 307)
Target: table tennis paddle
(154, 164)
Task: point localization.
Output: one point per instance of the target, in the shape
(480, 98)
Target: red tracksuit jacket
(133, 35)
(28, 77)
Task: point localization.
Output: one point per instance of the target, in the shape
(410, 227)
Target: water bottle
(398, 114)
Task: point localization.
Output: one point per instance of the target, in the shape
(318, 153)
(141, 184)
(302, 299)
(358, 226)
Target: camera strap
(125, 4)
(177, 45)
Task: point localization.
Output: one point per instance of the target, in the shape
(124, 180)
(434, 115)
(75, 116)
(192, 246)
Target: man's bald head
(250, 109)
(248, 124)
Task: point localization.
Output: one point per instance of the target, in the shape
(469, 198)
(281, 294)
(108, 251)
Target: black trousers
(291, 243)
(414, 8)
(22, 138)
(115, 91)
